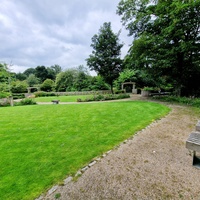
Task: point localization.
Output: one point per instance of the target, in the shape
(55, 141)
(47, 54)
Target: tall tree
(29, 71)
(32, 80)
(167, 39)
(57, 69)
(105, 57)
(65, 80)
(41, 73)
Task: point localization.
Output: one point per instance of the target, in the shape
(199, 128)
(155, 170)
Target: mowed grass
(62, 98)
(41, 145)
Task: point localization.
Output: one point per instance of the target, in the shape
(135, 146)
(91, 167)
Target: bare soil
(154, 164)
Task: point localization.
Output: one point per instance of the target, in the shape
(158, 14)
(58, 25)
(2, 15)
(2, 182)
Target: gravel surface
(154, 164)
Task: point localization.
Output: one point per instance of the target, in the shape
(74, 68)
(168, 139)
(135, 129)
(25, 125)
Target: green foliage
(4, 94)
(105, 58)
(32, 80)
(4, 73)
(148, 88)
(25, 102)
(166, 41)
(57, 195)
(127, 75)
(29, 71)
(56, 68)
(104, 97)
(20, 76)
(46, 144)
(64, 80)
(181, 100)
(75, 79)
(41, 73)
(48, 85)
(19, 86)
(98, 83)
(18, 95)
(44, 94)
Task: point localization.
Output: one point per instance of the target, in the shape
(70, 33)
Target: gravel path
(154, 164)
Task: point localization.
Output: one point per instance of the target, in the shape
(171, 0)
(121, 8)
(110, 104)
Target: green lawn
(62, 98)
(40, 145)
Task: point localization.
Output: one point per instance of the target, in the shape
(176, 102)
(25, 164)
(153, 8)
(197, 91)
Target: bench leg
(196, 160)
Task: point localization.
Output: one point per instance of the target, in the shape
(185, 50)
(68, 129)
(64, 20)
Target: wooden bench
(193, 143)
(55, 101)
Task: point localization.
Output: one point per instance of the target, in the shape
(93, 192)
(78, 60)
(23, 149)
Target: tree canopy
(105, 57)
(166, 40)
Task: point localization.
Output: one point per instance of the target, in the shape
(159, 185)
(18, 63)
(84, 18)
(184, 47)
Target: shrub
(25, 102)
(104, 98)
(182, 100)
(48, 85)
(18, 95)
(4, 94)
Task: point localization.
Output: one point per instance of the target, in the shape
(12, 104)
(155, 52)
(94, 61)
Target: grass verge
(62, 98)
(41, 145)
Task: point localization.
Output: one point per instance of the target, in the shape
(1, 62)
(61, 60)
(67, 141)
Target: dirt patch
(153, 165)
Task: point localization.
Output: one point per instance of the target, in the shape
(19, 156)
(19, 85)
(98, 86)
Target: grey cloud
(43, 32)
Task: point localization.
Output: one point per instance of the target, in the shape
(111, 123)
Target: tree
(29, 71)
(167, 40)
(41, 73)
(32, 80)
(127, 75)
(98, 83)
(81, 78)
(20, 76)
(4, 73)
(48, 85)
(105, 57)
(5, 78)
(19, 86)
(57, 69)
(64, 80)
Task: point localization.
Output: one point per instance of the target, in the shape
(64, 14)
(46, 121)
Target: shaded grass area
(62, 98)
(41, 145)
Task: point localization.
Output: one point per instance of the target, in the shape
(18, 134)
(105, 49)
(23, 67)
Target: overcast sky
(49, 32)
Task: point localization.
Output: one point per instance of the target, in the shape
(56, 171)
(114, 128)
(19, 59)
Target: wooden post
(11, 101)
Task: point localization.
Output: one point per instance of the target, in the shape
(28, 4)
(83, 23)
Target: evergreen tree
(105, 57)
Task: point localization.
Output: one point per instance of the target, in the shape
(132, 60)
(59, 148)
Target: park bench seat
(55, 101)
(193, 144)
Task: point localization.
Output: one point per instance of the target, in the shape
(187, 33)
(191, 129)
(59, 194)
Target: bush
(182, 100)
(18, 95)
(104, 98)
(25, 102)
(4, 95)
(48, 85)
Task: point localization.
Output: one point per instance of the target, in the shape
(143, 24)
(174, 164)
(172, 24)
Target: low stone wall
(83, 92)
